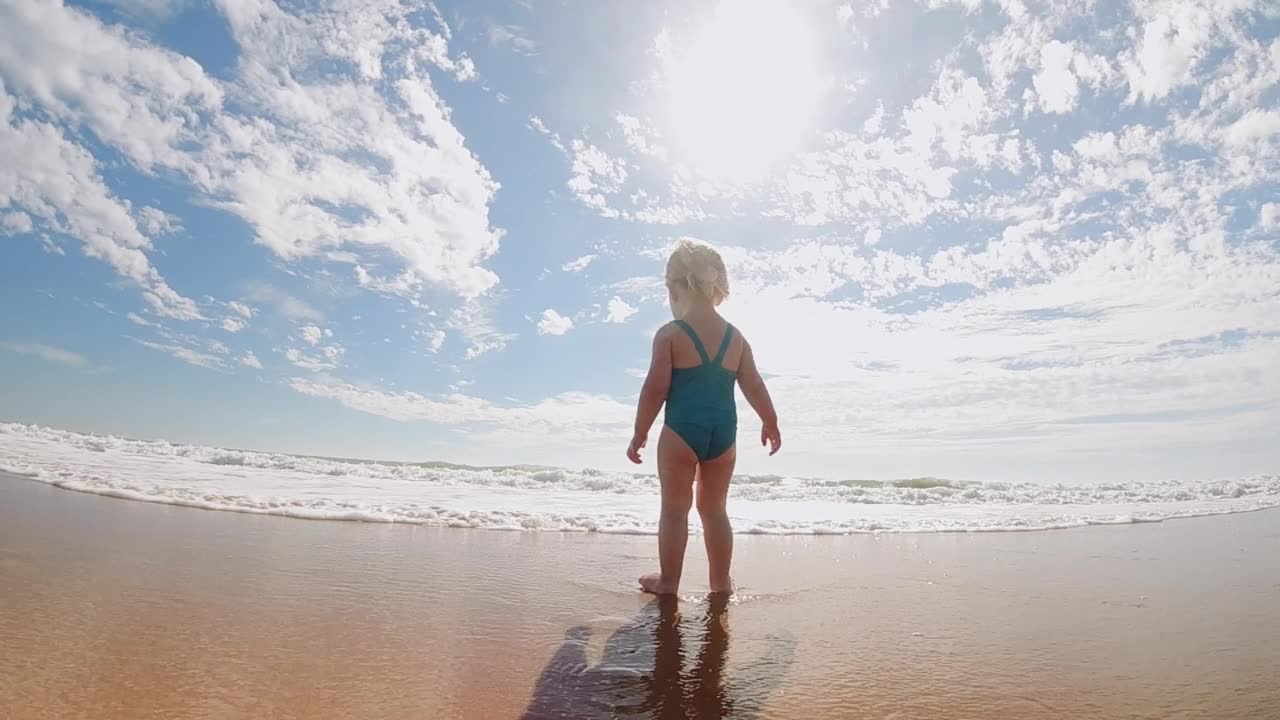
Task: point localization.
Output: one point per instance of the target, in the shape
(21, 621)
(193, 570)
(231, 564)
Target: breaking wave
(561, 499)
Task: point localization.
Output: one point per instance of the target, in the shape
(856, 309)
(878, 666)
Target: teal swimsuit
(700, 404)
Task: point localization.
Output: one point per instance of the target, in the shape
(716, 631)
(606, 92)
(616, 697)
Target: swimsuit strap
(724, 344)
(702, 352)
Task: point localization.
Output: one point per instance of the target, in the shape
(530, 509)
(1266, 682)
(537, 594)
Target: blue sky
(983, 240)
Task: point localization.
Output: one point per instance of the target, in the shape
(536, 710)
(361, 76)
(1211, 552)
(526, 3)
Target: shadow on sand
(642, 672)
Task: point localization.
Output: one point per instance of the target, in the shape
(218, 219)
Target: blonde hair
(700, 268)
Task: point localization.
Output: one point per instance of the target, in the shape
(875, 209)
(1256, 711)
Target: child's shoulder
(667, 332)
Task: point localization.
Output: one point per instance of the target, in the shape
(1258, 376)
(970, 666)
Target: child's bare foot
(653, 583)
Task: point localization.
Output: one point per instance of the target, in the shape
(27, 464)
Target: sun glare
(743, 91)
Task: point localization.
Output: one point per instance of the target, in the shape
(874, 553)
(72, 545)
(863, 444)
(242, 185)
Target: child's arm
(757, 395)
(653, 394)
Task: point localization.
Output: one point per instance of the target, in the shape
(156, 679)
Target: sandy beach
(118, 609)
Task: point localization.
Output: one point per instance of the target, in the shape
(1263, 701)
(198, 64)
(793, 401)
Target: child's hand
(771, 436)
(633, 450)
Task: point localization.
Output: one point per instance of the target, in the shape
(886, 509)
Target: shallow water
(118, 609)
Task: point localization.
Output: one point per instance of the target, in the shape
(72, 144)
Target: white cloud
(435, 340)
(186, 354)
(844, 16)
(233, 324)
(579, 264)
(406, 284)
(956, 106)
(285, 304)
(1056, 83)
(536, 123)
(51, 246)
(1269, 216)
(158, 222)
(619, 310)
(580, 415)
(1163, 60)
(642, 288)
(1114, 317)
(313, 165)
(329, 358)
(553, 323)
(250, 360)
(240, 309)
(16, 223)
(513, 37)
(1254, 127)
(873, 125)
(139, 98)
(474, 321)
(47, 353)
(640, 136)
(137, 319)
(57, 182)
(311, 334)
(1096, 71)
(595, 174)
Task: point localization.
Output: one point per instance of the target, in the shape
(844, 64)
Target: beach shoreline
(125, 609)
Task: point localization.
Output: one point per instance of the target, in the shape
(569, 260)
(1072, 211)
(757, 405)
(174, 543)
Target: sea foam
(560, 499)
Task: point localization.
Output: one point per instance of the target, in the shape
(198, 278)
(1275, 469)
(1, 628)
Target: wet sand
(117, 609)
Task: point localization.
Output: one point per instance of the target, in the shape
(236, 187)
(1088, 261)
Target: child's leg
(717, 533)
(676, 467)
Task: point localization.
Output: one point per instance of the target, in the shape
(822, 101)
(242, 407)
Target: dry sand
(116, 609)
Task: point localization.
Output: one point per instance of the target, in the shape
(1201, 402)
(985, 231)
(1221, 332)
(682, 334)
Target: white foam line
(522, 499)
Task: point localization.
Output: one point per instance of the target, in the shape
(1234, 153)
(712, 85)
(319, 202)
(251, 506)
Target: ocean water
(561, 499)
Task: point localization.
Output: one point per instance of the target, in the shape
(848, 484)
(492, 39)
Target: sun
(742, 94)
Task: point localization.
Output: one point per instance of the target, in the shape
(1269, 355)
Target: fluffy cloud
(595, 174)
(1254, 127)
(553, 323)
(619, 310)
(16, 223)
(367, 161)
(579, 264)
(57, 182)
(1171, 43)
(250, 360)
(1056, 83)
(845, 15)
(328, 357)
(435, 340)
(1269, 216)
(158, 222)
(312, 334)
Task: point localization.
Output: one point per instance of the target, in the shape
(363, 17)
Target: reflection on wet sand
(642, 672)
